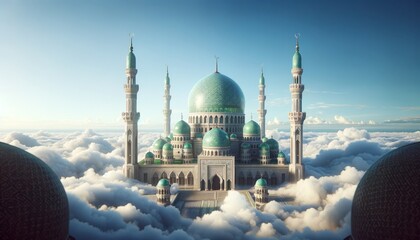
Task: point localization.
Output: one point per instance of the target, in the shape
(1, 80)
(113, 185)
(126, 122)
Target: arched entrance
(215, 185)
(202, 185)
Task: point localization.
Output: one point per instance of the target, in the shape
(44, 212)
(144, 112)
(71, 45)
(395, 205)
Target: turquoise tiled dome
(216, 93)
(261, 183)
(158, 144)
(216, 138)
(274, 145)
(264, 139)
(168, 147)
(163, 183)
(187, 145)
(251, 128)
(182, 128)
(264, 148)
(233, 136)
(199, 135)
(281, 155)
(149, 155)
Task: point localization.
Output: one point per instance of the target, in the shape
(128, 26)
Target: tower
(131, 116)
(296, 117)
(166, 106)
(261, 99)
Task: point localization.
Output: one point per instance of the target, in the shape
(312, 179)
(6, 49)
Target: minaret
(296, 118)
(166, 106)
(261, 99)
(131, 116)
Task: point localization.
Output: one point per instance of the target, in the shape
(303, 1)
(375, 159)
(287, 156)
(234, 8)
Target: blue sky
(62, 62)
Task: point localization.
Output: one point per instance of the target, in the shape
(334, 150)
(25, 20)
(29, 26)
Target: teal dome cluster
(281, 155)
(216, 138)
(264, 148)
(251, 128)
(261, 183)
(163, 183)
(216, 93)
(158, 144)
(182, 128)
(274, 145)
(149, 155)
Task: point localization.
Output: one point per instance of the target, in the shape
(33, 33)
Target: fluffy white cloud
(106, 205)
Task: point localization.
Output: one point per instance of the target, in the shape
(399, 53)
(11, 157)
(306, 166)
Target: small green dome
(216, 138)
(171, 136)
(199, 135)
(158, 144)
(264, 139)
(182, 128)
(233, 136)
(216, 93)
(149, 155)
(264, 148)
(163, 183)
(261, 183)
(281, 155)
(297, 60)
(168, 147)
(245, 145)
(251, 128)
(187, 145)
(262, 79)
(131, 60)
(274, 145)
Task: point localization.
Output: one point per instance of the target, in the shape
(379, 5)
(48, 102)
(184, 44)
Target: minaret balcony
(297, 117)
(131, 88)
(296, 87)
(298, 71)
(130, 116)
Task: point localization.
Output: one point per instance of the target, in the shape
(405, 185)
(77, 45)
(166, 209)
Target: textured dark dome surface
(33, 202)
(386, 204)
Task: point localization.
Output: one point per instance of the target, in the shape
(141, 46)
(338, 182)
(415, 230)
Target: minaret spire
(296, 118)
(217, 63)
(166, 105)
(261, 100)
(131, 116)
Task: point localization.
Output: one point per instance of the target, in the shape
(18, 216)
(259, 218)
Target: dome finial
(297, 35)
(251, 116)
(131, 41)
(182, 118)
(217, 63)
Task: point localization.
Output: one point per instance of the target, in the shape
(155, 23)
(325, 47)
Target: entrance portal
(215, 183)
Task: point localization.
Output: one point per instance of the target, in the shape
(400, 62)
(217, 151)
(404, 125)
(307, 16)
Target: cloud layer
(106, 205)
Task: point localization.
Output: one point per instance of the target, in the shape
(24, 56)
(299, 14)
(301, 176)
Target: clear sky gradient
(62, 62)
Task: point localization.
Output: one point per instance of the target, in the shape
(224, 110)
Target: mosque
(216, 149)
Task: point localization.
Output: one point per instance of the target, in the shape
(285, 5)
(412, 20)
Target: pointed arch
(231, 119)
(155, 179)
(216, 119)
(265, 176)
(201, 119)
(205, 119)
(172, 178)
(211, 119)
(227, 119)
(164, 175)
(273, 179)
(190, 179)
(181, 179)
(221, 119)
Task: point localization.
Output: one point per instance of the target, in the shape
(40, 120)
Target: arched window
(221, 119)
(249, 179)
(216, 119)
(231, 119)
(172, 178)
(201, 119)
(205, 119)
(181, 179)
(164, 175)
(235, 120)
(196, 119)
(155, 179)
(190, 179)
(273, 179)
(211, 119)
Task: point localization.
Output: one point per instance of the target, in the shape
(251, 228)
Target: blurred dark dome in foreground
(386, 204)
(33, 203)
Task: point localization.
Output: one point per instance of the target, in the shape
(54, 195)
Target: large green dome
(158, 144)
(251, 128)
(216, 93)
(274, 145)
(182, 128)
(216, 138)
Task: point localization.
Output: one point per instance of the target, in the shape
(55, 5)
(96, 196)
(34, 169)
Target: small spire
(217, 63)
(131, 41)
(182, 118)
(251, 116)
(167, 71)
(297, 35)
(167, 79)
